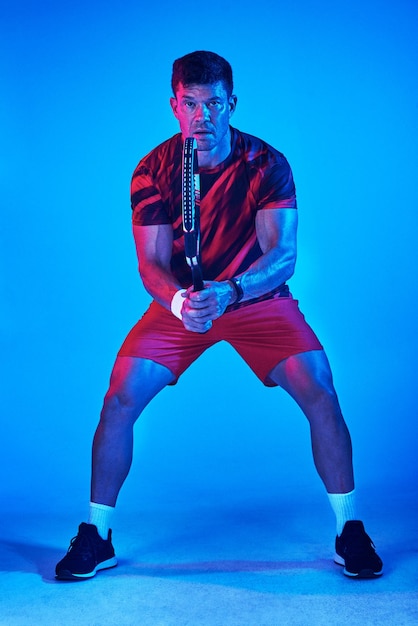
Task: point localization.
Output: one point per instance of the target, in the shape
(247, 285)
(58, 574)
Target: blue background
(84, 94)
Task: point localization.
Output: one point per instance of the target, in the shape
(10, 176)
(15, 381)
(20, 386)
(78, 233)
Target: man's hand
(200, 308)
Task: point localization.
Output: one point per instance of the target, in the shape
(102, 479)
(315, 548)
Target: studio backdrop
(84, 95)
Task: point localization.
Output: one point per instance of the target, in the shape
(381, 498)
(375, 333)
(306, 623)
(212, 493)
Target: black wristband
(238, 289)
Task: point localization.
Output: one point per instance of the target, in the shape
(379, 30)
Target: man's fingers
(198, 328)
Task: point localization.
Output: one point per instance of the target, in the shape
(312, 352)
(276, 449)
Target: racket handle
(191, 249)
(197, 278)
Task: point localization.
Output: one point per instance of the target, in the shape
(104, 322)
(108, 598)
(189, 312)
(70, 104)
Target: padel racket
(191, 210)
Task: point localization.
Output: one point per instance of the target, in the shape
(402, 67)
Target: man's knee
(119, 406)
(307, 377)
(133, 384)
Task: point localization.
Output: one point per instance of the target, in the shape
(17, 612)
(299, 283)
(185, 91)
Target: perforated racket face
(191, 210)
(188, 186)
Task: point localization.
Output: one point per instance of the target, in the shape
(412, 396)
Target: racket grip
(197, 278)
(191, 247)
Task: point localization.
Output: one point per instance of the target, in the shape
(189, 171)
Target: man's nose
(202, 112)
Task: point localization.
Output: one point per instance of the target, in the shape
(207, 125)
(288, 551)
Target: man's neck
(209, 159)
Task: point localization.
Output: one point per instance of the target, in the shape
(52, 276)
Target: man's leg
(134, 382)
(307, 378)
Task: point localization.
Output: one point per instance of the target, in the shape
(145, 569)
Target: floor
(235, 562)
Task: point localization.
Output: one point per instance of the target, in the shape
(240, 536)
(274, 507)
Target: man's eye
(189, 105)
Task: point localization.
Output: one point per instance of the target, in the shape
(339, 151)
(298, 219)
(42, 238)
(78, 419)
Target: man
(248, 222)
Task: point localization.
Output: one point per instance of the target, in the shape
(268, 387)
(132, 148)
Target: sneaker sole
(67, 575)
(364, 573)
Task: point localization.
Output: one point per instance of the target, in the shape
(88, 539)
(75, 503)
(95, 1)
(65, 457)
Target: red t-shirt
(253, 177)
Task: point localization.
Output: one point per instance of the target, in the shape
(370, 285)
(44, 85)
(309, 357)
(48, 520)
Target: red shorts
(263, 333)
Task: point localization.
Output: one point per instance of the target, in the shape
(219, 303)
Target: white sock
(101, 515)
(344, 507)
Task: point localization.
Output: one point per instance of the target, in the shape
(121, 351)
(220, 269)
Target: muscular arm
(276, 232)
(153, 248)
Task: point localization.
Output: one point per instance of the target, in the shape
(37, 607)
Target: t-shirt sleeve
(147, 204)
(277, 188)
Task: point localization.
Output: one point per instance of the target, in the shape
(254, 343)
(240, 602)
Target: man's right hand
(200, 308)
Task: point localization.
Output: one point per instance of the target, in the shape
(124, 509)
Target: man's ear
(173, 104)
(232, 104)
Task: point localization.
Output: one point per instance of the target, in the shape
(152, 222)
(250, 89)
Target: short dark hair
(202, 68)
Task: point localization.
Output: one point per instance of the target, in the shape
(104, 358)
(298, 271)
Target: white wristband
(177, 303)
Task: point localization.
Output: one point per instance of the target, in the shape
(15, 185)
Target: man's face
(203, 112)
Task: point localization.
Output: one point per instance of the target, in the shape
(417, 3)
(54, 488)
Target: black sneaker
(355, 550)
(88, 553)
